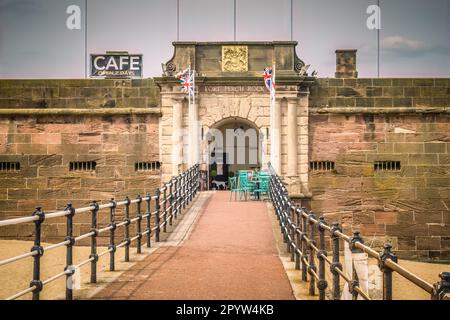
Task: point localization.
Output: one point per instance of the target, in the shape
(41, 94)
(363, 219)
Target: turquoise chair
(263, 188)
(234, 188)
(245, 185)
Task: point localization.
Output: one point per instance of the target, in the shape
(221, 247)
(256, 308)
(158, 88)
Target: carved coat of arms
(235, 58)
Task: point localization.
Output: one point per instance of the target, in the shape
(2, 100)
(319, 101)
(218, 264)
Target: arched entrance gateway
(231, 123)
(234, 144)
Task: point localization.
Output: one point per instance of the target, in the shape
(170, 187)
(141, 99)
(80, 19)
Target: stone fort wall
(356, 122)
(45, 124)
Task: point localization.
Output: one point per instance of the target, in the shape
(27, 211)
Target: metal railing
(168, 202)
(301, 228)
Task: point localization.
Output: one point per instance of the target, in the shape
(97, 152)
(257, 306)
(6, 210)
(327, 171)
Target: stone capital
(292, 100)
(178, 98)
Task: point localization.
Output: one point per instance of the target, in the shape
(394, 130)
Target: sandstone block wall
(78, 93)
(409, 207)
(45, 144)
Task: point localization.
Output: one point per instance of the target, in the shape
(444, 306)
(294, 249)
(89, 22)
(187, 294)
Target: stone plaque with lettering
(234, 58)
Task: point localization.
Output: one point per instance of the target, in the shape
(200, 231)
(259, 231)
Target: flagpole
(196, 128)
(273, 148)
(189, 116)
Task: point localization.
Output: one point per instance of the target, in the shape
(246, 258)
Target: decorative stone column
(292, 140)
(275, 137)
(177, 135)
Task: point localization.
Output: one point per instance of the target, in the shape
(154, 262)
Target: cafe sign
(116, 65)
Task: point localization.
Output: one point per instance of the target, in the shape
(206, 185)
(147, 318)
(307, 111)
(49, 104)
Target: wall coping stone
(358, 110)
(97, 111)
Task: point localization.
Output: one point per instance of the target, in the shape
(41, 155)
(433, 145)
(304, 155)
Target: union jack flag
(268, 79)
(182, 73)
(187, 83)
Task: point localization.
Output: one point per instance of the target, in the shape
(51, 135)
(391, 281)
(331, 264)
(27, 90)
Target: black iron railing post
(292, 232)
(165, 209)
(138, 224)
(336, 263)
(387, 272)
(157, 212)
(322, 283)
(171, 201)
(297, 237)
(112, 231)
(285, 213)
(197, 179)
(312, 263)
(355, 281)
(70, 270)
(191, 185)
(36, 282)
(148, 214)
(183, 186)
(442, 288)
(127, 229)
(175, 202)
(94, 232)
(304, 245)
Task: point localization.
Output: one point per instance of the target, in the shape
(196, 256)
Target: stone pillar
(275, 137)
(303, 135)
(177, 135)
(346, 64)
(292, 140)
(194, 134)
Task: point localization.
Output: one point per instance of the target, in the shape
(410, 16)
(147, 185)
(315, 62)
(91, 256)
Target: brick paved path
(230, 254)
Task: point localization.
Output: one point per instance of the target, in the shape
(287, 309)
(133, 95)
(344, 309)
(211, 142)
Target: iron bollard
(312, 263)
(94, 232)
(442, 288)
(127, 229)
(165, 209)
(157, 208)
(69, 252)
(298, 237)
(148, 214)
(387, 272)
(322, 284)
(304, 246)
(138, 224)
(336, 263)
(171, 202)
(36, 282)
(112, 245)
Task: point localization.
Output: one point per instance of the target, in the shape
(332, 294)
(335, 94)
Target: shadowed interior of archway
(234, 144)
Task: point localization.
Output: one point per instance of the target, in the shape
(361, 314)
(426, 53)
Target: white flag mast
(273, 147)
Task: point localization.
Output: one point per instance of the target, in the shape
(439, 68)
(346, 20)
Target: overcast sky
(35, 43)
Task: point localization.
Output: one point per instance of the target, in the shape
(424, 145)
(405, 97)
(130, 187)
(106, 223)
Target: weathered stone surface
(46, 147)
(405, 204)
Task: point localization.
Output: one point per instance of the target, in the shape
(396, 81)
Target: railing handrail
(296, 235)
(182, 190)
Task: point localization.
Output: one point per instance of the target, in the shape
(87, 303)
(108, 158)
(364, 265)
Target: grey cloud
(400, 45)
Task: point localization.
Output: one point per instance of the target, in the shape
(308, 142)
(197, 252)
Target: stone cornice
(390, 110)
(240, 80)
(80, 112)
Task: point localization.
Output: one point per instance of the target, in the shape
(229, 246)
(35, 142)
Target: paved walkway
(230, 253)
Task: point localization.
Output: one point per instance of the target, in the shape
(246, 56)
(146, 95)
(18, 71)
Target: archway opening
(234, 144)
